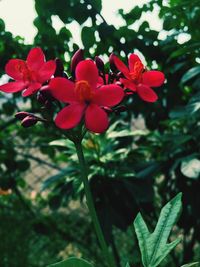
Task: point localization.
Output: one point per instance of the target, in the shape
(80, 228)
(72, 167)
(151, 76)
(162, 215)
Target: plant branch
(90, 204)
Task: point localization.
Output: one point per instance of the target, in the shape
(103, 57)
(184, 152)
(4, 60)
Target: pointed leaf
(191, 73)
(153, 246)
(193, 264)
(142, 233)
(71, 262)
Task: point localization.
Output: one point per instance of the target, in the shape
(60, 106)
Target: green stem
(90, 204)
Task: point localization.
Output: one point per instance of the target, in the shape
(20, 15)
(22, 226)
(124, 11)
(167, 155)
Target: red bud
(44, 94)
(29, 121)
(77, 57)
(99, 63)
(41, 99)
(21, 115)
(119, 84)
(59, 68)
(107, 109)
(120, 109)
(112, 64)
(120, 75)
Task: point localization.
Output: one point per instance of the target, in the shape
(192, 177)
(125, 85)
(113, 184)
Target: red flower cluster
(89, 94)
(29, 75)
(137, 79)
(85, 99)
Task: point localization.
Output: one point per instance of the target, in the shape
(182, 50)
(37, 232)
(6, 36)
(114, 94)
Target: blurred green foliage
(130, 169)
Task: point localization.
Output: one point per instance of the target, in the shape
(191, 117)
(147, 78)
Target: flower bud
(119, 84)
(40, 98)
(107, 109)
(29, 121)
(59, 68)
(120, 109)
(21, 115)
(99, 63)
(77, 57)
(111, 61)
(48, 104)
(120, 75)
(44, 94)
(128, 92)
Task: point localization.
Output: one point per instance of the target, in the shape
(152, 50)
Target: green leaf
(191, 73)
(58, 177)
(62, 143)
(153, 246)
(127, 265)
(196, 264)
(71, 262)
(2, 25)
(97, 5)
(126, 133)
(190, 167)
(87, 36)
(183, 50)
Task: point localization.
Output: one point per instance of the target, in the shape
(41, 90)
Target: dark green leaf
(72, 262)
(97, 5)
(190, 74)
(87, 36)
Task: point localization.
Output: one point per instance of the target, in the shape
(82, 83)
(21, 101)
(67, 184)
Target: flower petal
(46, 71)
(32, 89)
(70, 116)
(128, 84)
(146, 93)
(108, 95)
(153, 78)
(62, 90)
(131, 61)
(96, 119)
(86, 70)
(100, 81)
(35, 58)
(14, 68)
(13, 87)
(121, 66)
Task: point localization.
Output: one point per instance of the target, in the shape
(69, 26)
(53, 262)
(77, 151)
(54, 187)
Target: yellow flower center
(27, 74)
(83, 91)
(136, 74)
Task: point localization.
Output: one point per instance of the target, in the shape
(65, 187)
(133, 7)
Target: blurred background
(150, 152)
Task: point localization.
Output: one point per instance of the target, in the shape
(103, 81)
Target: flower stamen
(83, 91)
(136, 74)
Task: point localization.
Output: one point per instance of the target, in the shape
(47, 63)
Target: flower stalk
(84, 175)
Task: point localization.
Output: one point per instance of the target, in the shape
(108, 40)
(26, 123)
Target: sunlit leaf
(153, 246)
(193, 264)
(190, 167)
(125, 133)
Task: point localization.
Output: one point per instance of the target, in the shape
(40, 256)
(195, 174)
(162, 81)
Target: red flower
(29, 75)
(138, 79)
(85, 99)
